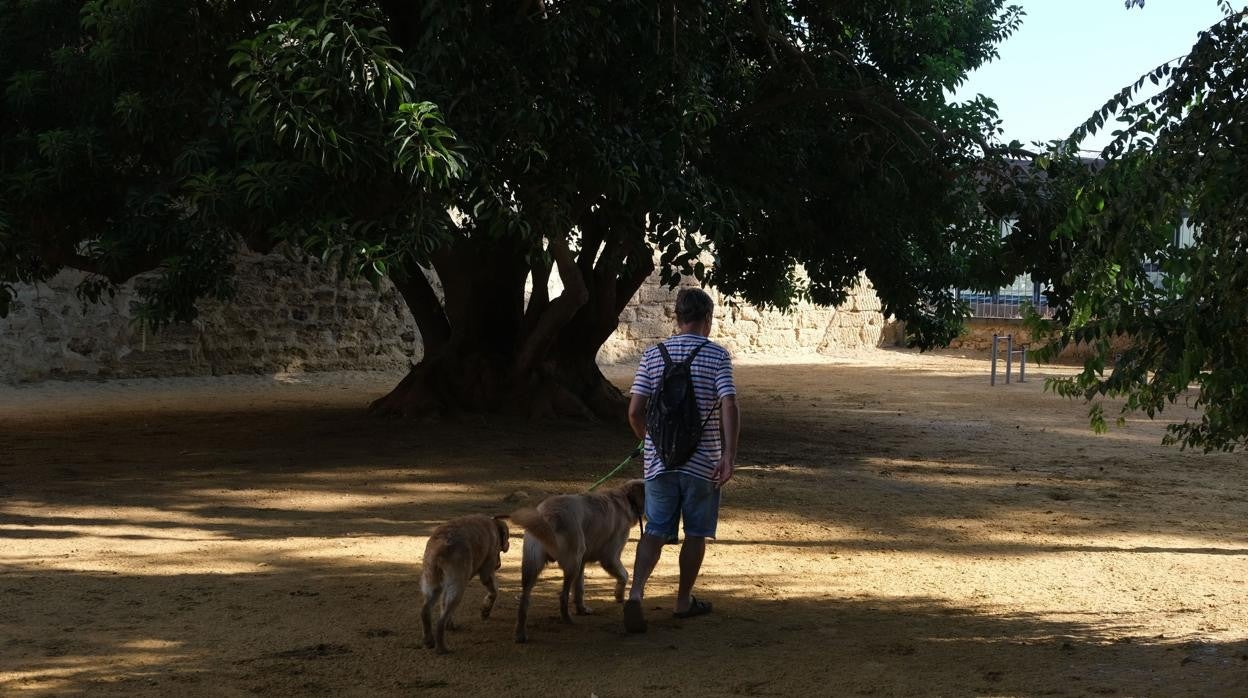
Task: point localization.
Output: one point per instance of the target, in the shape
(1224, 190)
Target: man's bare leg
(691, 554)
(649, 548)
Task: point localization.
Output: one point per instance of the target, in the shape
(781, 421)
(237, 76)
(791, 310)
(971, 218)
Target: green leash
(636, 452)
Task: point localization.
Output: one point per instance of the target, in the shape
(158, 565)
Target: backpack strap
(667, 358)
(689, 362)
(692, 354)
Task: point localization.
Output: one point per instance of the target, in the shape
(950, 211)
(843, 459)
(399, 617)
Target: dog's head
(635, 490)
(504, 534)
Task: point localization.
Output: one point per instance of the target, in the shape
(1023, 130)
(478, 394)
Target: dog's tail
(431, 579)
(432, 574)
(532, 521)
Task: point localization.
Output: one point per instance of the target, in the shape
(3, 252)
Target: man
(690, 491)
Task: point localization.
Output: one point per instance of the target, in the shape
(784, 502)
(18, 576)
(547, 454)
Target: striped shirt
(712, 380)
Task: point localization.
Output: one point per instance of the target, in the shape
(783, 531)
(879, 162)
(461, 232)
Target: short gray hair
(693, 305)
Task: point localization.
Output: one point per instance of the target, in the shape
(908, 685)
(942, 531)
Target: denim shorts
(674, 495)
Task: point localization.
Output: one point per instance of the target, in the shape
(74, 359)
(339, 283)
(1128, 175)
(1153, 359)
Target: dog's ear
(504, 535)
(637, 495)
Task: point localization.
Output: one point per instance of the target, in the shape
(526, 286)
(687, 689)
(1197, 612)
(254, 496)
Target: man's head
(694, 309)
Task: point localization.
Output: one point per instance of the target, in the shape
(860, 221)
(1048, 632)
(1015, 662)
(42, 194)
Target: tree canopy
(133, 140)
(1161, 315)
(466, 149)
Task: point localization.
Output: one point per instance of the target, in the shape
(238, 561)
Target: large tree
(577, 139)
(1161, 314)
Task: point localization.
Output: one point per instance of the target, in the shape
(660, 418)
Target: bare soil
(897, 527)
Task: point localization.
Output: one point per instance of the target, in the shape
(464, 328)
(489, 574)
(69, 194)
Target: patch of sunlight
(66, 673)
(329, 500)
(152, 644)
(66, 526)
(1115, 433)
(939, 474)
(885, 461)
(399, 550)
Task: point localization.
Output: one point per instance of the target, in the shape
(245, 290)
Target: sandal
(634, 620)
(696, 608)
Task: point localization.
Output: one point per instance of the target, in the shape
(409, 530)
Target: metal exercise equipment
(1010, 351)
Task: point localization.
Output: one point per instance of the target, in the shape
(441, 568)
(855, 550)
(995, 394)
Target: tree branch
(868, 103)
(762, 30)
(593, 231)
(117, 273)
(426, 309)
(559, 312)
(623, 267)
(767, 34)
(527, 7)
(639, 268)
(446, 264)
(540, 297)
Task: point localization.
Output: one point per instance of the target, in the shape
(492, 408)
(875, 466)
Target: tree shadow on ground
(260, 587)
(341, 628)
(822, 445)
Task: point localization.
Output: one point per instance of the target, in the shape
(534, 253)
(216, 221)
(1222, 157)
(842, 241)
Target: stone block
(650, 329)
(854, 320)
(867, 301)
(870, 335)
(665, 295)
(778, 339)
(841, 338)
(648, 313)
(746, 328)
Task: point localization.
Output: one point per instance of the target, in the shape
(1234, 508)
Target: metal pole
(992, 380)
(1009, 356)
(1022, 367)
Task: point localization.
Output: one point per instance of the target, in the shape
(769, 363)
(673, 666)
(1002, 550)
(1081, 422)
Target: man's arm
(730, 426)
(637, 414)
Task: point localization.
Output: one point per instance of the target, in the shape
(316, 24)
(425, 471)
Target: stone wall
(978, 337)
(297, 316)
(287, 316)
(748, 331)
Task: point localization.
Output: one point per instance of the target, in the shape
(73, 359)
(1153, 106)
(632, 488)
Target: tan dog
(457, 550)
(571, 530)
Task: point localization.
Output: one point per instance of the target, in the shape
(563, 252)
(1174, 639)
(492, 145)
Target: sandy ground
(897, 527)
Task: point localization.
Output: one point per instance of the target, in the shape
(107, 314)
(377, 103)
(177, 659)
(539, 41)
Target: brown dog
(457, 550)
(573, 529)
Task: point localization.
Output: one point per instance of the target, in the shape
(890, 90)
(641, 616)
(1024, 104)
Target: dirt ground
(896, 527)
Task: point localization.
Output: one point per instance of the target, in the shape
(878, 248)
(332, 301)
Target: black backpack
(672, 419)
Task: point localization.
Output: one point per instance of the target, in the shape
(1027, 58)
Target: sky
(1070, 56)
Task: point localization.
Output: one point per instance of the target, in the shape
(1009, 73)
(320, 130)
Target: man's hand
(723, 470)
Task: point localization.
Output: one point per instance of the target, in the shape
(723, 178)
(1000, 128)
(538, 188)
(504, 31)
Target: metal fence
(1008, 302)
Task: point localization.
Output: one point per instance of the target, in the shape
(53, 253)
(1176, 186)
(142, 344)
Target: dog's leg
(531, 564)
(573, 578)
(581, 608)
(491, 593)
(426, 615)
(452, 591)
(572, 562)
(615, 568)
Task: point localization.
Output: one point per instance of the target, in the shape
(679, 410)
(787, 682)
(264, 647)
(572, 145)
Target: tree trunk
(454, 382)
(488, 353)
